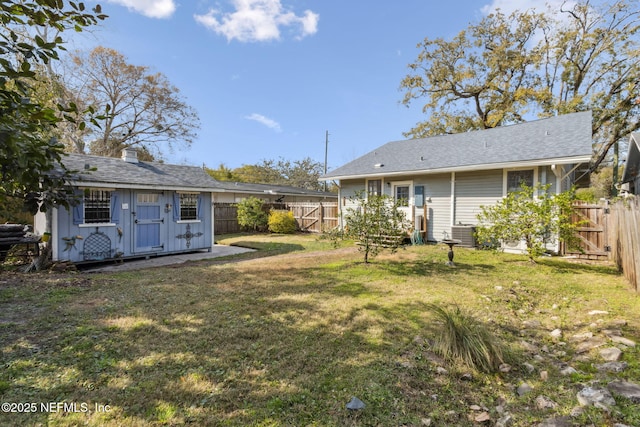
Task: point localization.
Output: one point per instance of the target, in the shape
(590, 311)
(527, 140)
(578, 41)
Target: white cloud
(258, 20)
(272, 124)
(149, 8)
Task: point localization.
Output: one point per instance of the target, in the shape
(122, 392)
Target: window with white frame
(188, 206)
(402, 195)
(516, 178)
(97, 206)
(374, 187)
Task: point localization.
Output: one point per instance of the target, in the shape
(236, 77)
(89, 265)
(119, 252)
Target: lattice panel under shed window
(97, 247)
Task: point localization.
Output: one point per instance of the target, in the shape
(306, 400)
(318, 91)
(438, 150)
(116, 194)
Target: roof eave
(467, 168)
(117, 185)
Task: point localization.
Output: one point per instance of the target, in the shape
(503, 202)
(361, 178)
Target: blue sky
(269, 77)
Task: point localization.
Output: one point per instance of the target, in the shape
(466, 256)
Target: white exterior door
(403, 196)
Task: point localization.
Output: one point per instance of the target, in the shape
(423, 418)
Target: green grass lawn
(288, 339)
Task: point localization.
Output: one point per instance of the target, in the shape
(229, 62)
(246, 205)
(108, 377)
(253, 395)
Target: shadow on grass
(427, 268)
(197, 351)
(269, 248)
(217, 346)
(578, 266)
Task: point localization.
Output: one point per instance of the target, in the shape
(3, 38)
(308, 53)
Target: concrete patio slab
(158, 261)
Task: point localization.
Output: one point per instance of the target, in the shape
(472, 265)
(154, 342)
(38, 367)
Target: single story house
(130, 208)
(631, 176)
(442, 181)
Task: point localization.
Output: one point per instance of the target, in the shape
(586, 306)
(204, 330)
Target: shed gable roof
(119, 173)
(565, 138)
(115, 172)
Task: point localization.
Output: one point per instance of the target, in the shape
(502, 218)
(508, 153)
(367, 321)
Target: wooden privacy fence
(315, 217)
(225, 218)
(625, 241)
(592, 232)
(610, 231)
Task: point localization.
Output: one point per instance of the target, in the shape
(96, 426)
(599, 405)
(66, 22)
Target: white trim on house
(508, 165)
(505, 173)
(452, 201)
(411, 200)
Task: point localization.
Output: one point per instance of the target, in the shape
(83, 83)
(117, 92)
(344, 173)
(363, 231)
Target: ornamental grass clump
(463, 338)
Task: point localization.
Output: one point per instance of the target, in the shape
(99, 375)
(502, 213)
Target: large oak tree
(509, 69)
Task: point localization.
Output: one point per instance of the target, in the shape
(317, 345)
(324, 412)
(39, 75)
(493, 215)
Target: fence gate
(592, 231)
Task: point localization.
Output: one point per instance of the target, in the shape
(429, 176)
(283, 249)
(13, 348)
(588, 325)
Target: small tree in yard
(537, 220)
(376, 223)
(251, 214)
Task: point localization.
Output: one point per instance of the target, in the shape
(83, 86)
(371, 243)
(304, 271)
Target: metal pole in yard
(326, 150)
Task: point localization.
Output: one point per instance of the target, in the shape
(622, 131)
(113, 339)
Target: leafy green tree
(375, 223)
(506, 69)
(478, 80)
(252, 215)
(222, 173)
(299, 173)
(30, 157)
(531, 214)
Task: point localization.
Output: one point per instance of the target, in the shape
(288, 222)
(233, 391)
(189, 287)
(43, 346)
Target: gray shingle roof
(565, 138)
(117, 172)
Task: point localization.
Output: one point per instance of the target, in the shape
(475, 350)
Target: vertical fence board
(592, 232)
(611, 230)
(626, 239)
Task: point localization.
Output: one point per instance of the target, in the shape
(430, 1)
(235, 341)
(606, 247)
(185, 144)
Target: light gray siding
(348, 189)
(473, 190)
(437, 196)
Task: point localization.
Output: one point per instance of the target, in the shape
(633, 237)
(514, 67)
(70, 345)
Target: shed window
(515, 179)
(188, 206)
(97, 206)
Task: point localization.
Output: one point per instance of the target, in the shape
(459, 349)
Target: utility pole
(326, 150)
